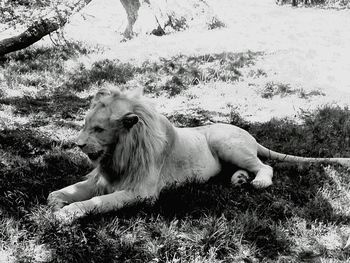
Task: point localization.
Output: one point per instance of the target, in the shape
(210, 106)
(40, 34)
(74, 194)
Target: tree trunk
(159, 17)
(46, 25)
(132, 8)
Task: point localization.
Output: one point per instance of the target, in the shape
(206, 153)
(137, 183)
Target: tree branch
(44, 26)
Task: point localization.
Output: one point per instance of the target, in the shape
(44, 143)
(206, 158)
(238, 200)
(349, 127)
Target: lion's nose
(81, 146)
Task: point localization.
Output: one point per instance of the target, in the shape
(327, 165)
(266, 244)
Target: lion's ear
(129, 120)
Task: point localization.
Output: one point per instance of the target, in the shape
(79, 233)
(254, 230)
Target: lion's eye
(98, 129)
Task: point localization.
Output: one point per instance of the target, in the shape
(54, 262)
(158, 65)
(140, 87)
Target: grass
(174, 75)
(272, 89)
(215, 23)
(321, 3)
(303, 217)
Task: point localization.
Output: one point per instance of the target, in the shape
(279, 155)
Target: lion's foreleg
(77, 192)
(95, 205)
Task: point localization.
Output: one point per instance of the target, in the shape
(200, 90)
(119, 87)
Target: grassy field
(44, 94)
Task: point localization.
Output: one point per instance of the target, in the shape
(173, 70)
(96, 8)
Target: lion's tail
(265, 152)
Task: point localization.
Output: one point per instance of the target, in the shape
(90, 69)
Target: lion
(136, 152)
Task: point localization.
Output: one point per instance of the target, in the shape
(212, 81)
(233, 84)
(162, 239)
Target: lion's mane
(131, 156)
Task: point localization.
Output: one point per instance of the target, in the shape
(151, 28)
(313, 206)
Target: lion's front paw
(69, 213)
(55, 201)
(261, 182)
(239, 177)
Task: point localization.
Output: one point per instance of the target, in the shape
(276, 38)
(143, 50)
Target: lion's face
(104, 123)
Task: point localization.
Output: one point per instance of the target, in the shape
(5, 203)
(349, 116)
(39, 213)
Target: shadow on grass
(166, 76)
(33, 165)
(255, 215)
(171, 76)
(258, 212)
(106, 70)
(62, 104)
(44, 68)
(35, 56)
(30, 66)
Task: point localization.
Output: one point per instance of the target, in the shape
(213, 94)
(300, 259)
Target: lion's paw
(260, 183)
(68, 214)
(55, 201)
(239, 177)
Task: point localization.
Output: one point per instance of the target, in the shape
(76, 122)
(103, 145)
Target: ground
(279, 72)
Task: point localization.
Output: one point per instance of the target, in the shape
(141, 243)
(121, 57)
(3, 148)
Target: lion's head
(111, 115)
(122, 133)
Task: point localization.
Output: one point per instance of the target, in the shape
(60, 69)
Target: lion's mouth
(94, 156)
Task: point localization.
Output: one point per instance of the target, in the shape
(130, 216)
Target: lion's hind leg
(263, 177)
(242, 152)
(236, 146)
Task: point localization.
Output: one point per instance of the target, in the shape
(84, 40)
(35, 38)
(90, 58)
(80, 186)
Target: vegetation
(322, 3)
(303, 217)
(272, 89)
